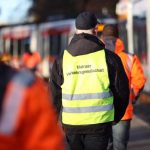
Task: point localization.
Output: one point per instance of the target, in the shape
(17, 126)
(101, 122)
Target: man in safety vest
(86, 82)
(135, 74)
(27, 117)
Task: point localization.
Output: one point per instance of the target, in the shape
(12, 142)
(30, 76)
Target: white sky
(138, 7)
(14, 11)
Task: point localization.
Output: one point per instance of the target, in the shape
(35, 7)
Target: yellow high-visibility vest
(86, 97)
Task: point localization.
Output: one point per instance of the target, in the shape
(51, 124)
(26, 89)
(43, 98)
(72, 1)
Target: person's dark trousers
(120, 136)
(87, 141)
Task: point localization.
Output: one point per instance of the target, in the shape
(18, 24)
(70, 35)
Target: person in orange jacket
(135, 74)
(31, 60)
(27, 117)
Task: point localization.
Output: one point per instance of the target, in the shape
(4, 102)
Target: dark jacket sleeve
(119, 84)
(6, 74)
(56, 80)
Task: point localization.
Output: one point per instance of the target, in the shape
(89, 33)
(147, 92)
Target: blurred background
(46, 27)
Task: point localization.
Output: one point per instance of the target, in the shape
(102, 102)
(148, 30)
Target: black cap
(85, 21)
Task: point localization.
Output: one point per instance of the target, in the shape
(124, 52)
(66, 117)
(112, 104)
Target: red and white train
(49, 39)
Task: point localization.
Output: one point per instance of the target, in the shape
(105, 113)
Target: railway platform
(139, 135)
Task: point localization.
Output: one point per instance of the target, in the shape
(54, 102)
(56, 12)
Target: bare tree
(42, 9)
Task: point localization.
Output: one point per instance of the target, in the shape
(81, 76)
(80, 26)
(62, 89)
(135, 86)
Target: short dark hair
(110, 30)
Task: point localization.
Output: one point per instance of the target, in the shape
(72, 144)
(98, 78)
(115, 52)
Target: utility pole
(148, 31)
(130, 27)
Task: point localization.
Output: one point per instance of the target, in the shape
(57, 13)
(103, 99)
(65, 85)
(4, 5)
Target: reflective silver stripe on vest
(130, 62)
(13, 101)
(132, 92)
(88, 109)
(86, 96)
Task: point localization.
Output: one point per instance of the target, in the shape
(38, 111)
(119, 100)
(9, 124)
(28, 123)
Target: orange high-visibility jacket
(28, 120)
(31, 60)
(134, 71)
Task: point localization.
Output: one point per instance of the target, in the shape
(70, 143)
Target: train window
(140, 42)
(45, 46)
(55, 42)
(11, 47)
(64, 41)
(18, 46)
(135, 38)
(25, 42)
(14, 48)
(123, 34)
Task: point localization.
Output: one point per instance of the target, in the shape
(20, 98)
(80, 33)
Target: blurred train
(139, 39)
(51, 38)
(140, 44)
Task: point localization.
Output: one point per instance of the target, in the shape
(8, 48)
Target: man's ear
(94, 31)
